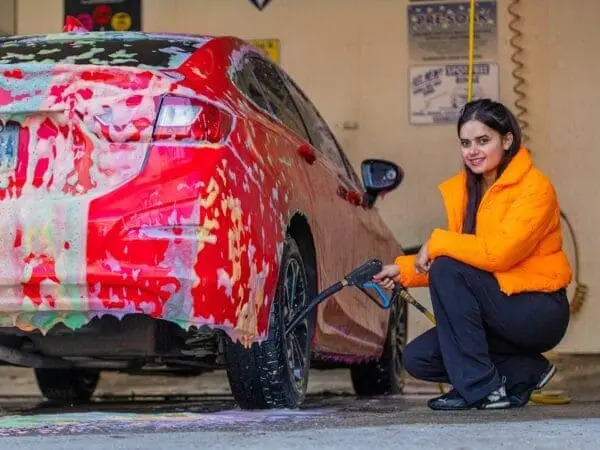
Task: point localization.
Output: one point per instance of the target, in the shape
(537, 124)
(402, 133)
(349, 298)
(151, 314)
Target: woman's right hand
(388, 276)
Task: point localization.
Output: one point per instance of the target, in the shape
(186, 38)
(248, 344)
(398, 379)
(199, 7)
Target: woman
(497, 275)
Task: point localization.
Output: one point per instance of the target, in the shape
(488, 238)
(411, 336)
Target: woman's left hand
(422, 261)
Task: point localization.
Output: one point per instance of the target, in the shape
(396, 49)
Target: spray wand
(362, 278)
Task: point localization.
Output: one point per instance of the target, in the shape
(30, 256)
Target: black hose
(318, 299)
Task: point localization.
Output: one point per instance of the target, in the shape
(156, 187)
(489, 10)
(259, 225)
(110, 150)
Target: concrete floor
(181, 413)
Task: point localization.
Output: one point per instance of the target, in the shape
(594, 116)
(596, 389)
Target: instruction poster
(106, 15)
(438, 92)
(269, 46)
(439, 31)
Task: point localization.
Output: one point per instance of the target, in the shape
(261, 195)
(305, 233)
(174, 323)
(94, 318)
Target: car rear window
(108, 50)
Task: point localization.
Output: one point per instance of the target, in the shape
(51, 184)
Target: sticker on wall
(260, 4)
(439, 32)
(270, 46)
(86, 20)
(106, 15)
(438, 92)
(102, 15)
(121, 21)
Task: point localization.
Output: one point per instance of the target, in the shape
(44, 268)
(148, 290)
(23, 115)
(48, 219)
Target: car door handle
(307, 153)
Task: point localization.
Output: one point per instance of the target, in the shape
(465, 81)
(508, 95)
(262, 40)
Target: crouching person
(497, 276)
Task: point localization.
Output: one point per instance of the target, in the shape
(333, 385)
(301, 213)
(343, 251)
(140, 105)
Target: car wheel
(67, 385)
(274, 373)
(386, 375)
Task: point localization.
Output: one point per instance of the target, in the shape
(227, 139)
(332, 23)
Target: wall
(570, 132)
(7, 17)
(351, 58)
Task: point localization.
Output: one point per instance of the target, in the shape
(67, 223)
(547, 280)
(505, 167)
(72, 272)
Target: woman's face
(482, 147)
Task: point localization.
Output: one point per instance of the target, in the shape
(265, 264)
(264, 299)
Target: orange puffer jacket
(518, 235)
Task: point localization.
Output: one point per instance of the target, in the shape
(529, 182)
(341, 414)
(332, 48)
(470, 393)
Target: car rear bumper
(189, 240)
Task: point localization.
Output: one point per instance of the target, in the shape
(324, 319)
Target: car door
(350, 319)
(316, 181)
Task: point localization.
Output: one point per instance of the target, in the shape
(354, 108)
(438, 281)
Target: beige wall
(353, 63)
(7, 17)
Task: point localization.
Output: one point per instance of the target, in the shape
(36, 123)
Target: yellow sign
(121, 21)
(269, 46)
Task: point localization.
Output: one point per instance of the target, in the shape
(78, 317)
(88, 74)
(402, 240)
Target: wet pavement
(166, 412)
(212, 412)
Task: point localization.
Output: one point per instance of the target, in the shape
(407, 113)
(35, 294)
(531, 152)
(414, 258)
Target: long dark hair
(499, 118)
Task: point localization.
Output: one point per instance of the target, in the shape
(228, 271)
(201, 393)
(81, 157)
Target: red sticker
(86, 20)
(102, 14)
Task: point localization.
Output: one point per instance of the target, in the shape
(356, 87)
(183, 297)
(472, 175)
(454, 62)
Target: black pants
(482, 335)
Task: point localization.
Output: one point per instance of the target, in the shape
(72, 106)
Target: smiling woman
(489, 137)
(497, 275)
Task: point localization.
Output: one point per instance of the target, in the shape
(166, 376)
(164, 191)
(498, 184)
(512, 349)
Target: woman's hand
(422, 261)
(386, 278)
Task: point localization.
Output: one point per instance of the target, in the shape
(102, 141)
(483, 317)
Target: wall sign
(106, 15)
(260, 4)
(269, 46)
(440, 31)
(438, 92)
(438, 48)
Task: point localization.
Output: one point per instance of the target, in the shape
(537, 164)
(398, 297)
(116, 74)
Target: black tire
(269, 374)
(67, 385)
(385, 376)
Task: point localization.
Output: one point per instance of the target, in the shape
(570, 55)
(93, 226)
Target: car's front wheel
(274, 373)
(386, 375)
(67, 385)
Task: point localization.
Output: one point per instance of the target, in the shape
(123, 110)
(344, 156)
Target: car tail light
(182, 118)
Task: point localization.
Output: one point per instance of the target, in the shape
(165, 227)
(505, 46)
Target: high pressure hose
(581, 289)
(516, 73)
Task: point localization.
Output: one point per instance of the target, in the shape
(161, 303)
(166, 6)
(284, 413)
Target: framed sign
(438, 92)
(439, 32)
(271, 47)
(106, 15)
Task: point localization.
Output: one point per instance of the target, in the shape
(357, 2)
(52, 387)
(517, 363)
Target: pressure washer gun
(362, 278)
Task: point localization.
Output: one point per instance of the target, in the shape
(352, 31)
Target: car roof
(117, 35)
(142, 49)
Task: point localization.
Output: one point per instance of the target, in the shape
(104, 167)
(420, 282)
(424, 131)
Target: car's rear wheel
(67, 385)
(386, 375)
(274, 373)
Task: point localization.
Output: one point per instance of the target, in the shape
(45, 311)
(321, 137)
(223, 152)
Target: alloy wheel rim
(294, 298)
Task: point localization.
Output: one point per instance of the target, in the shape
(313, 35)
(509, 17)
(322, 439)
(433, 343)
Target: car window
(321, 135)
(274, 92)
(277, 96)
(351, 171)
(245, 81)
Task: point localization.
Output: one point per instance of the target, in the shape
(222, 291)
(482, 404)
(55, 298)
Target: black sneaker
(450, 401)
(519, 395)
(546, 377)
(453, 401)
(495, 400)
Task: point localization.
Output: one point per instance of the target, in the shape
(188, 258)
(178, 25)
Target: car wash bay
(352, 58)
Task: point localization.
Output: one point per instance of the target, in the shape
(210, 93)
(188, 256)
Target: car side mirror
(379, 177)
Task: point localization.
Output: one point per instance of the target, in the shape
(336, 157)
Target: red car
(168, 203)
